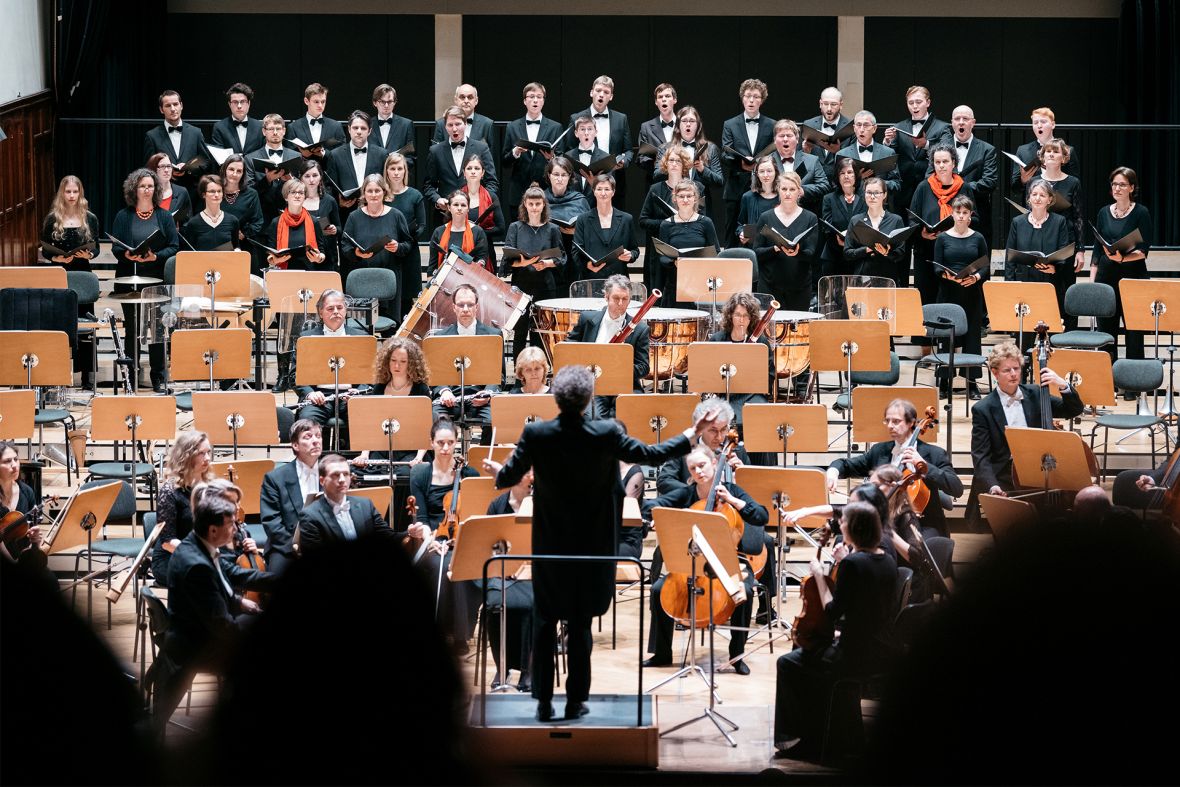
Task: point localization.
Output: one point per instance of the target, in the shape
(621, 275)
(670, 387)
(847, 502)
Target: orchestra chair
(890, 377)
(913, 616)
(86, 285)
(932, 312)
(379, 283)
(109, 550)
(286, 418)
(1137, 376)
(159, 620)
(1087, 299)
(844, 734)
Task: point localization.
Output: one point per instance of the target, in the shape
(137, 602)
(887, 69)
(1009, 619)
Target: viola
(14, 525)
(812, 628)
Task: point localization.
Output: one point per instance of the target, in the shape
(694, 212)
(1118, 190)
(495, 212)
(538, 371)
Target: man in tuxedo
(601, 326)
(613, 133)
(446, 399)
(348, 165)
(206, 613)
(239, 132)
(390, 131)
(1009, 404)
(285, 488)
(332, 310)
(747, 134)
(477, 126)
(787, 156)
(657, 132)
(1044, 123)
(585, 153)
(269, 182)
(577, 510)
(978, 165)
(901, 418)
(314, 127)
(528, 166)
(863, 148)
(830, 120)
(912, 156)
(179, 141)
(336, 518)
(444, 162)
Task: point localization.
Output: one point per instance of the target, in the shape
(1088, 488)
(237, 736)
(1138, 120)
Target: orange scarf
(287, 222)
(467, 245)
(488, 222)
(944, 194)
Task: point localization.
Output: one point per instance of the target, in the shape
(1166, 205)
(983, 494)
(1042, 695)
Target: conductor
(577, 510)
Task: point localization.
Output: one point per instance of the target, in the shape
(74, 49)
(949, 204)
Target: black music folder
(1062, 256)
(968, 270)
(339, 191)
(1019, 208)
(323, 145)
(292, 250)
(150, 243)
(292, 166)
(91, 246)
(1029, 166)
(832, 227)
(921, 132)
(1123, 245)
(541, 146)
(510, 254)
(812, 134)
(610, 255)
(749, 159)
(881, 166)
(668, 250)
(778, 239)
(371, 248)
(939, 226)
(1060, 203)
(866, 235)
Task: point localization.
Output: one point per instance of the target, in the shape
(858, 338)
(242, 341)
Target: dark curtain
(1149, 80)
(78, 44)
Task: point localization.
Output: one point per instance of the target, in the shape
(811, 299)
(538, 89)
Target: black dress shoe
(576, 710)
(656, 661)
(973, 392)
(526, 682)
(544, 711)
(159, 387)
(741, 667)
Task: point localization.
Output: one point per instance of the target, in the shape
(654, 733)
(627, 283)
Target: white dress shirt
(175, 140)
(215, 555)
(383, 131)
(457, 154)
(751, 132)
(316, 129)
(961, 153)
(344, 518)
(608, 328)
(309, 479)
(358, 163)
(468, 330)
(603, 127)
(1013, 408)
(241, 132)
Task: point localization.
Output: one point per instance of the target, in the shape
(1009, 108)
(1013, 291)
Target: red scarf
(287, 222)
(467, 245)
(488, 222)
(944, 194)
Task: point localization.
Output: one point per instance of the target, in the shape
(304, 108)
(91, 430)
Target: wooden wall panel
(26, 175)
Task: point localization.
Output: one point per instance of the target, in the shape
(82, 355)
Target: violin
(247, 558)
(812, 628)
(450, 524)
(913, 472)
(14, 525)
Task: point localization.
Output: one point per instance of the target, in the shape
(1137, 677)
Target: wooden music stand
(33, 359)
(476, 493)
(477, 453)
(16, 414)
(868, 407)
(248, 475)
(380, 496)
(225, 272)
(1087, 371)
(794, 428)
(510, 413)
(133, 418)
(86, 511)
(44, 277)
(1146, 308)
(1006, 514)
(283, 289)
(849, 346)
(648, 417)
(613, 365)
(204, 354)
(1056, 458)
(713, 280)
(728, 368)
(236, 417)
(335, 360)
(464, 360)
(389, 423)
(900, 307)
(1017, 305)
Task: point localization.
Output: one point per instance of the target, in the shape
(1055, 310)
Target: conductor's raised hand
(707, 419)
(491, 467)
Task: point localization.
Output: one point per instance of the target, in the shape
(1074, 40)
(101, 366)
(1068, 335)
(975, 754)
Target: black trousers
(659, 635)
(802, 685)
(579, 644)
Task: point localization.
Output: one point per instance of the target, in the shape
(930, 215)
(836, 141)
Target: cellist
(901, 419)
(702, 466)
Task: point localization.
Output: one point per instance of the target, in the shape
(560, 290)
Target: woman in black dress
(687, 228)
(16, 495)
(139, 221)
(838, 208)
(1115, 221)
(880, 259)
(532, 233)
(659, 205)
(326, 211)
(411, 203)
(932, 203)
(188, 465)
(211, 229)
(70, 226)
(602, 230)
(372, 222)
(460, 232)
(173, 198)
(295, 228)
(762, 196)
(786, 271)
(399, 369)
(242, 203)
(957, 248)
(430, 481)
(483, 207)
(1038, 230)
(565, 205)
(1067, 189)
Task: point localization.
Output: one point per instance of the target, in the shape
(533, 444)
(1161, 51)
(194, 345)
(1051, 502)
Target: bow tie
(688, 143)
(789, 159)
(315, 121)
(384, 122)
(864, 149)
(241, 123)
(459, 144)
(585, 152)
(174, 129)
(828, 128)
(753, 120)
(962, 144)
(600, 115)
(360, 151)
(274, 153)
(468, 121)
(1013, 400)
(669, 124)
(536, 122)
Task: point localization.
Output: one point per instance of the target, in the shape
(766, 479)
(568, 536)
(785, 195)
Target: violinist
(430, 481)
(864, 595)
(335, 518)
(905, 451)
(702, 466)
(739, 316)
(399, 369)
(517, 595)
(16, 495)
(1009, 404)
(188, 465)
(285, 488)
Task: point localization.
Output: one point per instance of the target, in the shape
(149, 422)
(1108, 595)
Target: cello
(912, 473)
